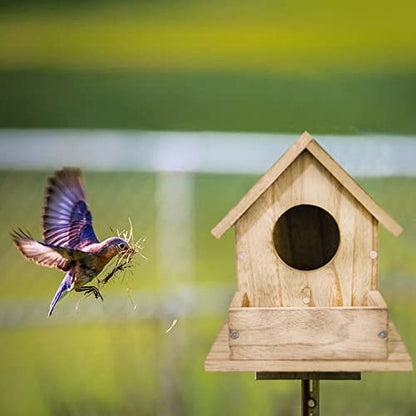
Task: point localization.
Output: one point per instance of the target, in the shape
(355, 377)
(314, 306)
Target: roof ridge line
(305, 142)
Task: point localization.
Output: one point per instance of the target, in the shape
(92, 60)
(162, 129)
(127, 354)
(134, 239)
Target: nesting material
(173, 324)
(126, 259)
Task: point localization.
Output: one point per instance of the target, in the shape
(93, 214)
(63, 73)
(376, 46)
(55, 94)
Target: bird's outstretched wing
(67, 222)
(46, 254)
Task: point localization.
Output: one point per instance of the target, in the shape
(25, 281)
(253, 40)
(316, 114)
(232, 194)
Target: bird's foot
(91, 289)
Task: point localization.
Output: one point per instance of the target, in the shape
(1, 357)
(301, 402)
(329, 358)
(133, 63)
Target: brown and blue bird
(69, 241)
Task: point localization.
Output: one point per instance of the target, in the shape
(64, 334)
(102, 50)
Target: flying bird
(69, 241)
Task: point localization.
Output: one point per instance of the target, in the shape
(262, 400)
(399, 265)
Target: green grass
(208, 101)
(135, 368)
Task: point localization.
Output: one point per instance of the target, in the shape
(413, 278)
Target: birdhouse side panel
(268, 280)
(374, 256)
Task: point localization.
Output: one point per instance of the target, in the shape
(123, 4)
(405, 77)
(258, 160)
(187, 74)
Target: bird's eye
(122, 245)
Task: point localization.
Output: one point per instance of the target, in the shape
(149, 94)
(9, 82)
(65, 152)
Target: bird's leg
(90, 289)
(116, 269)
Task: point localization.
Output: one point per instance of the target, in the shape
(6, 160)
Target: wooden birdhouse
(306, 239)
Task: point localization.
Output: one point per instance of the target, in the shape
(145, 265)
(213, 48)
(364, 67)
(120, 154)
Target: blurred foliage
(265, 35)
(136, 368)
(208, 101)
(327, 67)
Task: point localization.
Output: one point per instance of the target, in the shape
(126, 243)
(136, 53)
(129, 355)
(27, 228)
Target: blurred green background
(328, 67)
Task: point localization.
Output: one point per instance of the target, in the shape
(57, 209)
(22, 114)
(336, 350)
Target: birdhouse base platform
(218, 359)
(333, 339)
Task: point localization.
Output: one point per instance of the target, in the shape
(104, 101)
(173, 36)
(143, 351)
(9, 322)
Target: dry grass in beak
(124, 259)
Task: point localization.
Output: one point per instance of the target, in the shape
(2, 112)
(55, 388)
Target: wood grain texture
(305, 141)
(375, 298)
(263, 183)
(267, 280)
(308, 333)
(290, 320)
(398, 359)
(389, 223)
(240, 299)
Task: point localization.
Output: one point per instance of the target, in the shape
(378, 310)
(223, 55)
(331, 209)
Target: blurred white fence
(361, 155)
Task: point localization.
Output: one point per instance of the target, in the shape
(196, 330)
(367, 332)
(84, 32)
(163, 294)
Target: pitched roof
(306, 142)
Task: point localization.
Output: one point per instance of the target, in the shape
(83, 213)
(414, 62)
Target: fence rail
(211, 152)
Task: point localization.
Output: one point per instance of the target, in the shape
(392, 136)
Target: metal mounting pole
(310, 385)
(310, 397)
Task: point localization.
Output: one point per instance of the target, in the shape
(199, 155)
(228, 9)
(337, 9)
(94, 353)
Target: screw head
(311, 403)
(373, 254)
(382, 334)
(234, 334)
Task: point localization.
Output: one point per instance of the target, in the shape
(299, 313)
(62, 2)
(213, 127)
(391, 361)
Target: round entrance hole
(306, 237)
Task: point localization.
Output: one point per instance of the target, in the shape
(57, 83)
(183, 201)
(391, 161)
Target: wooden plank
(240, 299)
(264, 182)
(338, 172)
(269, 281)
(361, 261)
(220, 349)
(374, 256)
(305, 141)
(397, 349)
(218, 359)
(310, 333)
(375, 298)
(257, 262)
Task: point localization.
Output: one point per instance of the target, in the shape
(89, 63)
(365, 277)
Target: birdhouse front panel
(306, 241)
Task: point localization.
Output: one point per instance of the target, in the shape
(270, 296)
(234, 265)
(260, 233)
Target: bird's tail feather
(63, 289)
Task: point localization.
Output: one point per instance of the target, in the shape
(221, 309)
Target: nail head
(234, 334)
(382, 334)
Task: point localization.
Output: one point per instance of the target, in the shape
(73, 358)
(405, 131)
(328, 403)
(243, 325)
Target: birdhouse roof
(306, 142)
